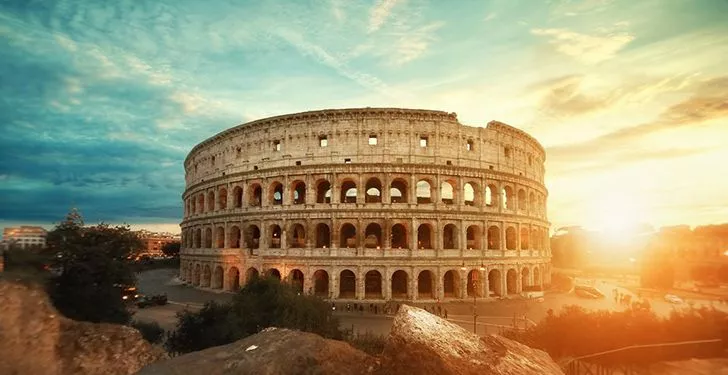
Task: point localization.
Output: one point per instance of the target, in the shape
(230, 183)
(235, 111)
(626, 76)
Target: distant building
(2, 259)
(154, 242)
(24, 237)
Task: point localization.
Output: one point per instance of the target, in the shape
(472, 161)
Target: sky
(100, 101)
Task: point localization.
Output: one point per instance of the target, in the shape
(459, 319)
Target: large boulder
(272, 351)
(422, 343)
(36, 339)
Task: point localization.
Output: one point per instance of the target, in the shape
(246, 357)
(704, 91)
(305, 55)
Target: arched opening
(522, 199)
(233, 279)
(206, 277)
(323, 192)
(252, 237)
(201, 203)
(323, 236)
(347, 284)
(525, 278)
(373, 190)
(193, 205)
(238, 197)
(373, 285)
(447, 192)
(398, 191)
(222, 198)
(524, 239)
(399, 284)
(450, 284)
(399, 237)
(196, 275)
(321, 283)
(348, 192)
(219, 237)
(536, 276)
(211, 201)
(536, 244)
(298, 189)
(373, 236)
(474, 284)
(234, 237)
(198, 238)
(469, 194)
(449, 237)
(507, 198)
(295, 278)
(276, 194)
(425, 285)
(208, 238)
(423, 192)
(510, 238)
(495, 285)
(424, 236)
(275, 237)
(347, 236)
(274, 273)
(298, 236)
(511, 281)
(251, 274)
(490, 195)
(255, 196)
(532, 202)
(218, 278)
(493, 238)
(473, 236)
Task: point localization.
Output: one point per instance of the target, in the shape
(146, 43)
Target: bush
(368, 342)
(151, 331)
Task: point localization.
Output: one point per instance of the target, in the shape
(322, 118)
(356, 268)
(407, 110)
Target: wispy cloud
(589, 49)
(379, 14)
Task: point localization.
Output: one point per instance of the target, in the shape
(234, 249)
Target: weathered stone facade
(366, 204)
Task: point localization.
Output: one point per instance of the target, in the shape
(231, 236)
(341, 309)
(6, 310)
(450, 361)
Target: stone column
(504, 280)
(485, 287)
(462, 237)
(412, 190)
(310, 189)
(386, 198)
(287, 192)
(310, 230)
(387, 287)
(459, 193)
(360, 189)
(412, 290)
(413, 235)
(334, 284)
(360, 284)
(225, 235)
(438, 237)
(519, 281)
(463, 284)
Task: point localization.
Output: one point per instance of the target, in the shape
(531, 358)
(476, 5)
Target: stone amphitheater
(368, 204)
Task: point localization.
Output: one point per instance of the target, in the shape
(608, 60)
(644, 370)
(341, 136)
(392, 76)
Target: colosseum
(368, 204)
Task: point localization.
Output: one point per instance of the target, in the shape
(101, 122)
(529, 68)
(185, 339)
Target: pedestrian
(445, 313)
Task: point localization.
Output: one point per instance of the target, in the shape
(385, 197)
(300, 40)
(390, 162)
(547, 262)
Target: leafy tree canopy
(171, 248)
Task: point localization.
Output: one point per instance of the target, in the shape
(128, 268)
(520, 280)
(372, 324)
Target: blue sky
(101, 101)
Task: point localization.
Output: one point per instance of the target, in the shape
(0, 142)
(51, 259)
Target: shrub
(151, 331)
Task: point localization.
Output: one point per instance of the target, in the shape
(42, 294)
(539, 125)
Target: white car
(673, 299)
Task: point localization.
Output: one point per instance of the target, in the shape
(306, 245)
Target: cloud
(562, 96)
(589, 49)
(414, 44)
(379, 13)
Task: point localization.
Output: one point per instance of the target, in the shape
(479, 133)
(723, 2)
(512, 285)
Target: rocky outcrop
(273, 351)
(421, 343)
(36, 339)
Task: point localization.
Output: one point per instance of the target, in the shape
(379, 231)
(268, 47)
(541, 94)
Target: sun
(617, 215)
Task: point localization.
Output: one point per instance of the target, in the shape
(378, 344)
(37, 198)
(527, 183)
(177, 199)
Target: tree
(93, 269)
(171, 249)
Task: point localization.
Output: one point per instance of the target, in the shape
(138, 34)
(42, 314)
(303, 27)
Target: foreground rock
(273, 351)
(36, 339)
(421, 343)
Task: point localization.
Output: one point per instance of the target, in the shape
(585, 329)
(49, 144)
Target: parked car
(155, 300)
(673, 299)
(588, 291)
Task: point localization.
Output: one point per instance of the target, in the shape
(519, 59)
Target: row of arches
(375, 235)
(471, 194)
(454, 283)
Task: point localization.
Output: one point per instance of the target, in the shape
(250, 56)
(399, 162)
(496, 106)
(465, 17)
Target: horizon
(103, 102)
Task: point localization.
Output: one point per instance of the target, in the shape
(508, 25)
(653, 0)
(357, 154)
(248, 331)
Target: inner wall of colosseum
(372, 204)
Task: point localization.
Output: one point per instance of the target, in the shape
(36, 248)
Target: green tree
(171, 249)
(93, 267)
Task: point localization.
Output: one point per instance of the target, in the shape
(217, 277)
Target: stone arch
(423, 191)
(507, 198)
(198, 238)
(493, 238)
(447, 192)
(495, 283)
(522, 200)
(511, 238)
(373, 285)
(298, 192)
(238, 197)
(474, 284)
(512, 281)
(323, 236)
(201, 203)
(252, 236)
(234, 237)
(197, 275)
(321, 283)
(473, 237)
(255, 195)
(399, 284)
(348, 192)
(535, 239)
(323, 191)
(373, 191)
(426, 285)
(210, 201)
(218, 278)
(398, 190)
(347, 284)
(536, 276)
(347, 236)
(295, 278)
(206, 276)
(451, 284)
(220, 237)
(222, 196)
(525, 245)
(399, 236)
(297, 234)
(250, 274)
(525, 278)
(491, 196)
(233, 279)
(373, 236)
(532, 202)
(424, 236)
(450, 236)
(275, 236)
(471, 194)
(275, 193)
(208, 238)
(274, 273)
(193, 206)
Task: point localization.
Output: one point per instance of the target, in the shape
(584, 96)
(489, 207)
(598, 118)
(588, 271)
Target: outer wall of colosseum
(366, 204)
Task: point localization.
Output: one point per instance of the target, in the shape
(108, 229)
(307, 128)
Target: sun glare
(617, 215)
